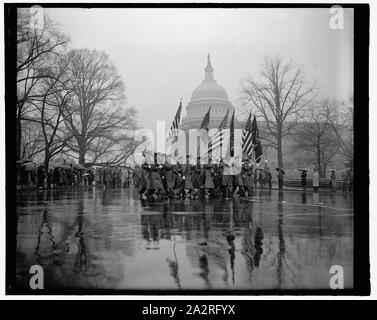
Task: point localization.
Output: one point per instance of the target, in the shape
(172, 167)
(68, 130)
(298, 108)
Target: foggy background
(161, 53)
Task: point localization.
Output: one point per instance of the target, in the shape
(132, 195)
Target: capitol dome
(207, 94)
(209, 89)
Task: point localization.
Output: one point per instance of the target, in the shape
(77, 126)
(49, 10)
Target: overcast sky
(161, 53)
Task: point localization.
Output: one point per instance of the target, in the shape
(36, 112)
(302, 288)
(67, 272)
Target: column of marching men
(167, 178)
(65, 175)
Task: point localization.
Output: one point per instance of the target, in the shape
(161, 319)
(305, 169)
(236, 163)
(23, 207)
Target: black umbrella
(279, 169)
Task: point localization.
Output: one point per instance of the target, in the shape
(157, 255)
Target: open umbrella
(279, 169)
(77, 166)
(63, 166)
(29, 166)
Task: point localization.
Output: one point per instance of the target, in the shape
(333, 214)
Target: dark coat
(248, 176)
(217, 179)
(178, 176)
(239, 179)
(168, 175)
(145, 176)
(41, 176)
(208, 178)
(155, 178)
(188, 174)
(197, 176)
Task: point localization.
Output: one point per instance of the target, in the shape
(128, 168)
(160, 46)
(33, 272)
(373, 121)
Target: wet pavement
(88, 238)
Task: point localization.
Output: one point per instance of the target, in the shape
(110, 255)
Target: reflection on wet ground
(96, 239)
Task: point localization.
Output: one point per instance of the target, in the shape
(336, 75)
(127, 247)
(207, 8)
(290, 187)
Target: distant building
(211, 94)
(207, 94)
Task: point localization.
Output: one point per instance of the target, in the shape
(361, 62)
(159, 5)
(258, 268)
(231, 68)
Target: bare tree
(280, 98)
(342, 125)
(118, 153)
(52, 108)
(97, 108)
(32, 140)
(316, 137)
(36, 45)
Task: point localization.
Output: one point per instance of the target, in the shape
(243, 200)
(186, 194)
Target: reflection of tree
(204, 267)
(230, 239)
(282, 254)
(150, 225)
(174, 268)
(82, 252)
(252, 241)
(248, 247)
(258, 246)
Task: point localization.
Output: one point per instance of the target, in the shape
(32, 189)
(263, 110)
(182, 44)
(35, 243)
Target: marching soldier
(168, 174)
(248, 177)
(238, 179)
(208, 184)
(197, 178)
(179, 183)
(217, 179)
(156, 187)
(227, 178)
(188, 176)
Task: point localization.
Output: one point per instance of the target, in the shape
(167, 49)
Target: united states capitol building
(209, 93)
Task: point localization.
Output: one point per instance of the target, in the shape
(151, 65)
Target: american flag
(258, 152)
(205, 122)
(173, 133)
(217, 139)
(247, 138)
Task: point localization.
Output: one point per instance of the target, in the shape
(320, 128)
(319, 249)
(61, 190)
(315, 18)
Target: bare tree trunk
(47, 159)
(82, 152)
(319, 162)
(18, 138)
(279, 147)
(281, 98)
